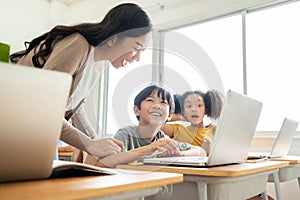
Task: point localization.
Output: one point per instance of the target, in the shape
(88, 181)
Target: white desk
(124, 184)
(290, 172)
(231, 182)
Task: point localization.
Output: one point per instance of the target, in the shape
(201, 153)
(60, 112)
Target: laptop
(233, 136)
(32, 104)
(282, 143)
(32, 108)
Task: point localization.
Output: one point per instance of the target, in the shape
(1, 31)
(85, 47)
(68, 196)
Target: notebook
(282, 143)
(233, 136)
(32, 108)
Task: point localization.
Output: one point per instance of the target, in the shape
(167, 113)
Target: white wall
(22, 20)
(167, 13)
(58, 14)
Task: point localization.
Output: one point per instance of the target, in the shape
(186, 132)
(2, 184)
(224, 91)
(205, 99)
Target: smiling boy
(152, 107)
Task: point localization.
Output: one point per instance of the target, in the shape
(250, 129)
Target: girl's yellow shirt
(192, 135)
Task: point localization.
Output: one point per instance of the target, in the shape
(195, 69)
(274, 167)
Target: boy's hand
(167, 146)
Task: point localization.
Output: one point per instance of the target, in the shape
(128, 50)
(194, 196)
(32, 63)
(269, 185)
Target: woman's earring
(110, 43)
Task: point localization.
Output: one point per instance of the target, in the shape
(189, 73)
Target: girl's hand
(206, 144)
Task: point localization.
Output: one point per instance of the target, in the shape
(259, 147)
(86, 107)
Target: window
(209, 55)
(205, 56)
(273, 43)
(123, 85)
(273, 46)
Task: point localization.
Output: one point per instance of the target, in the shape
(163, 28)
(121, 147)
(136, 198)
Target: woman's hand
(104, 147)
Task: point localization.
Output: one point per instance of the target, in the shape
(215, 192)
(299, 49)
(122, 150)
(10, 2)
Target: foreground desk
(290, 172)
(239, 181)
(124, 184)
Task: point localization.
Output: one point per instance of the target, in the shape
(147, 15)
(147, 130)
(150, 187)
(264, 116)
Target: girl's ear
(136, 110)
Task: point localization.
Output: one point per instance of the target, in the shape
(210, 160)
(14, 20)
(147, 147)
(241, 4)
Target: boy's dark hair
(213, 101)
(161, 92)
(177, 109)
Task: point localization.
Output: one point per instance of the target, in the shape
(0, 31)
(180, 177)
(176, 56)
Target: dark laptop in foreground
(233, 136)
(282, 143)
(32, 105)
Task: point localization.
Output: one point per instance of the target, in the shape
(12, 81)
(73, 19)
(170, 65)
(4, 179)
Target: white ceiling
(68, 2)
(144, 3)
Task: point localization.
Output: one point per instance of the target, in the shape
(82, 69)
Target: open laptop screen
(32, 108)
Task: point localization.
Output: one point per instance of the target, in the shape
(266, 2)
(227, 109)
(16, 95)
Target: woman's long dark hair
(123, 20)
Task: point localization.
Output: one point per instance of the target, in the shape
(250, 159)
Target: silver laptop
(32, 108)
(283, 141)
(233, 136)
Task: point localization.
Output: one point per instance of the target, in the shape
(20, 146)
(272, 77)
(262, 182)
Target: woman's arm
(82, 122)
(97, 147)
(74, 137)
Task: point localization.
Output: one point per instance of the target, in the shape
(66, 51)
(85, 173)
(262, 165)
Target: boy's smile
(155, 114)
(154, 110)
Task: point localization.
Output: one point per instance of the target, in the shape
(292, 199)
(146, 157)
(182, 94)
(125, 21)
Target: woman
(80, 50)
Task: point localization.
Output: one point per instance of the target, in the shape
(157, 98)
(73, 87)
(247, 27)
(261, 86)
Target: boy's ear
(169, 117)
(136, 110)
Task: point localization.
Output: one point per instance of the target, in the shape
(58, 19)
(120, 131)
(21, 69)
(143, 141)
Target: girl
(195, 105)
